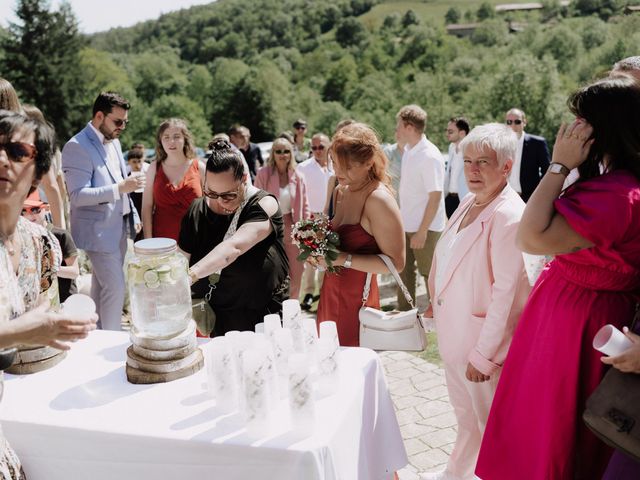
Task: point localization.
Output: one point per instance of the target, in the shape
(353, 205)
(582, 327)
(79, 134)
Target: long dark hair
(612, 107)
(224, 158)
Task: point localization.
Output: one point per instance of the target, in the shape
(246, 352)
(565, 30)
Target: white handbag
(390, 330)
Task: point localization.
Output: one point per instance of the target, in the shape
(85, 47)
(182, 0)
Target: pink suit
(267, 179)
(476, 304)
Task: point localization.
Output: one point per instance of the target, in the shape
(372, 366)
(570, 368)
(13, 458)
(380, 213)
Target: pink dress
(535, 430)
(341, 294)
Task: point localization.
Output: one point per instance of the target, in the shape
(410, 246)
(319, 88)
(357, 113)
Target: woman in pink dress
(535, 430)
(174, 180)
(367, 218)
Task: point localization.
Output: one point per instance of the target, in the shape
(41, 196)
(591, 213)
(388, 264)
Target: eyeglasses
(118, 122)
(319, 147)
(517, 122)
(226, 196)
(31, 210)
(18, 151)
(281, 152)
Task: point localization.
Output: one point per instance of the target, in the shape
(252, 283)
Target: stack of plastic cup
(310, 340)
(292, 319)
(328, 372)
(256, 394)
(301, 402)
(221, 374)
(263, 345)
(282, 350)
(329, 329)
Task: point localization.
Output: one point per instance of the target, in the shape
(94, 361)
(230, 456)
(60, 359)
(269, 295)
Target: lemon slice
(150, 277)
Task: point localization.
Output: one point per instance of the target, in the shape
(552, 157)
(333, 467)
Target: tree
(410, 18)
(485, 10)
(41, 52)
(350, 32)
(453, 15)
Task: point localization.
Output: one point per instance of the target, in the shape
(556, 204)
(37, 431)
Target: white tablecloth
(83, 420)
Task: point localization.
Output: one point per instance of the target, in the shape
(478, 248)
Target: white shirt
(455, 179)
(285, 200)
(316, 179)
(116, 170)
(445, 249)
(514, 176)
(422, 172)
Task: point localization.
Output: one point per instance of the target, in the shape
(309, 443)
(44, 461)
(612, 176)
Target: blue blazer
(96, 205)
(534, 164)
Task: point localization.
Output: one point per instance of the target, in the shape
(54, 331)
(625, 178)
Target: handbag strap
(233, 227)
(367, 284)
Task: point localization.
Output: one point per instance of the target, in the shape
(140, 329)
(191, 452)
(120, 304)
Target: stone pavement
(426, 418)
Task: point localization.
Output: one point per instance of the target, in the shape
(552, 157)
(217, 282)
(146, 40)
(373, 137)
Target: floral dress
(39, 262)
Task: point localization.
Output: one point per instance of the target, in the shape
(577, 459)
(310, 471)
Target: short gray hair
(495, 136)
(626, 64)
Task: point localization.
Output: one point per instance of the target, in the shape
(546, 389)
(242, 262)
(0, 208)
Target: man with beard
(102, 213)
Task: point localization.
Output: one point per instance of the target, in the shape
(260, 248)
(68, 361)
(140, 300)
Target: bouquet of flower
(315, 238)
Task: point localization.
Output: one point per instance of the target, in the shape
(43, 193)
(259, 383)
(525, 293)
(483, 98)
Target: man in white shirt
(316, 172)
(455, 185)
(420, 193)
(532, 156)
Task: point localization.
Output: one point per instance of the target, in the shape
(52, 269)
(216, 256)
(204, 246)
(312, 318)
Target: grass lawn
(430, 354)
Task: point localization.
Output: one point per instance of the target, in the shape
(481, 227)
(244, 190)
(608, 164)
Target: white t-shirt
(422, 172)
(514, 176)
(316, 180)
(285, 200)
(455, 182)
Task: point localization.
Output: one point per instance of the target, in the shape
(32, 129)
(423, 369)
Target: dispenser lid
(155, 246)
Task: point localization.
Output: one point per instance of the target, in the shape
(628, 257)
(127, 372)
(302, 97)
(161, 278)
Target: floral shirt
(40, 260)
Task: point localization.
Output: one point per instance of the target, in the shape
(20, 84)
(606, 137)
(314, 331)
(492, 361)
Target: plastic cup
(221, 374)
(79, 306)
(329, 329)
(301, 402)
(611, 341)
(259, 328)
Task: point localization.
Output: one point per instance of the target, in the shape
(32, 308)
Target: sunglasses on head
(517, 122)
(19, 150)
(226, 196)
(319, 147)
(31, 210)
(118, 122)
(282, 152)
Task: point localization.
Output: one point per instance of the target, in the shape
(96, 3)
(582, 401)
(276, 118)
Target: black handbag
(613, 410)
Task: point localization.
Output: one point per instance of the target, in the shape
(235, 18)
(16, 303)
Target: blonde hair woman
(280, 179)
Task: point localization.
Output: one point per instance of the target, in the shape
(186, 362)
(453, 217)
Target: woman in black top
(246, 263)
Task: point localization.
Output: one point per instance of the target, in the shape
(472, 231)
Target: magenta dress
(535, 430)
(341, 293)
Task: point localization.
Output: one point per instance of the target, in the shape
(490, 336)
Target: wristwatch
(555, 167)
(347, 262)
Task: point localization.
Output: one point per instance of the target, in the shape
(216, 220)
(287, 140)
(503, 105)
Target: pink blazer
(484, 287)
(267, 179)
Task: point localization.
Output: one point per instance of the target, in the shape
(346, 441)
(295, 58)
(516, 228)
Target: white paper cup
(329, 329)
(611, 341)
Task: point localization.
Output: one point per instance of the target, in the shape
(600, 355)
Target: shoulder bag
(613, 410)
(390, 330)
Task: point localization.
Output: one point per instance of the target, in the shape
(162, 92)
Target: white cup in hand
(79, 306)
(611, 341)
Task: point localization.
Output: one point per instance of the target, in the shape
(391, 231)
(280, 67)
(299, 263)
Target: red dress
(535, 430)
(341, 294)
(171, 202)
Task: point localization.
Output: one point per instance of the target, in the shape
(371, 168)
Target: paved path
(426, 419)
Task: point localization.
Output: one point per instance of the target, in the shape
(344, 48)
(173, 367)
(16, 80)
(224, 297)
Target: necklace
(476, 204)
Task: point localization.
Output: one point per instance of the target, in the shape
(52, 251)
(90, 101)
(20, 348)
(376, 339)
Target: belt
(452, 194)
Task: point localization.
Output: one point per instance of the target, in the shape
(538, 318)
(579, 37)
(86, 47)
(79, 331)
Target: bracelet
(556, 167)
(347, 261)
(192, 276)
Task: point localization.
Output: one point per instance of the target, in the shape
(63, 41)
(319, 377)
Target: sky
(99, 15)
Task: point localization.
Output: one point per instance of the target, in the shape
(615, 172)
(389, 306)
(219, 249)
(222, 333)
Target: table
(82, 419)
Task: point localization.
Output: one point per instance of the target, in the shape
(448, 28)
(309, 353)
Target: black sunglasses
(32, 210)
(301, 127)
(281, 152)
(18, 151)
(517, 122)
(319, 147)
(118, 122)
(226, 196)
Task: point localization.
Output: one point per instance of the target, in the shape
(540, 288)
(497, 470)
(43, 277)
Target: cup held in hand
(611, 341)
(79, 306)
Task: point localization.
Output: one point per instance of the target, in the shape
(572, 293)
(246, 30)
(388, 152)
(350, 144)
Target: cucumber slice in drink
(150, 277)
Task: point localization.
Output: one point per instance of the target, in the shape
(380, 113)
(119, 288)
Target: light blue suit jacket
(96, 204)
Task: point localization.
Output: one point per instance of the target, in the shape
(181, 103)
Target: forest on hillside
(264, 63)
